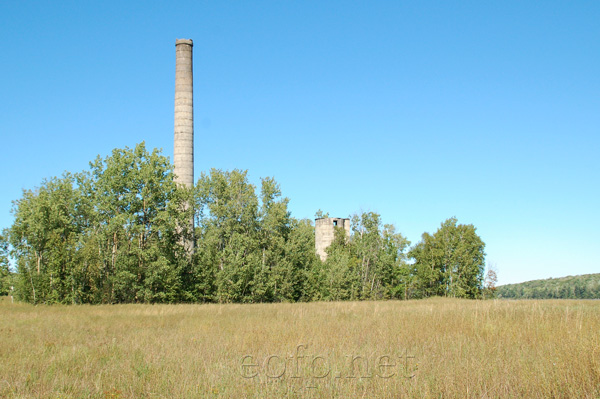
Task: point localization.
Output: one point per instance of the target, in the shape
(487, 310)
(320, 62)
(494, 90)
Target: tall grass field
(436, 348)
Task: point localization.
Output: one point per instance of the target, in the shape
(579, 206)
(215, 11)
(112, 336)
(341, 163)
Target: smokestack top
(184, 41)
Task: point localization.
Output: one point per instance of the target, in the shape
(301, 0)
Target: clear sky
(418, 110)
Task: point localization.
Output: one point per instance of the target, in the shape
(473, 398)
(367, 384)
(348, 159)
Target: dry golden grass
(438, 348)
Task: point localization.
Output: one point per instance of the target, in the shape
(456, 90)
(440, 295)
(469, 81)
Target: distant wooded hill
(586, 286)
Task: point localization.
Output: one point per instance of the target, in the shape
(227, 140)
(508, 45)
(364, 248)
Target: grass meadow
(438, 348)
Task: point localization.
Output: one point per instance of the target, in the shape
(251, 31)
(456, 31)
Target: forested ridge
(585, 286)
(115, 234)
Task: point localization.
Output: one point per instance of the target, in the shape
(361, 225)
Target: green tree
(5, 274)
(136, 215)
(380, 253)
(116, 233)
(339, 275)
(450, 262)
(277, 275)
(44, 239)
(249, 248)
(228, 237)
(107, 235)
(303, 262)
(320, 214)
(396, 278)
(586, 286)
(370, 264)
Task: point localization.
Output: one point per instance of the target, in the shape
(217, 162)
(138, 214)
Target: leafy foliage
(370, 264)
(107, 235)
(450, 262)
(586, 286)
(249, 250)
(121, 232)
(5, 274)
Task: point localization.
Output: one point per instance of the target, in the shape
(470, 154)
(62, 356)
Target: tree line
(116, 233)
(586, 286)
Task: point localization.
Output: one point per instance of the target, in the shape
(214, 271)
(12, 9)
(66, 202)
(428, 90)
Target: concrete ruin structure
(325, 233)
(184, 113)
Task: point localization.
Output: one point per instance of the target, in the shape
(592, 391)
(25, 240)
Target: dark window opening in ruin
(335, 222)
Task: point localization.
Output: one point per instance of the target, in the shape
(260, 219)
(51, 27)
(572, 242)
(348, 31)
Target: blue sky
(417, 110)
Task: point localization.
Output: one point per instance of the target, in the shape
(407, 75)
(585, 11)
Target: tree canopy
(115, 234)
(586, 286)
(450, 262)
(5, 275)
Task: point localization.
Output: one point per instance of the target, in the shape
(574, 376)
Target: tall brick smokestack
(183, 159)
(184, 113)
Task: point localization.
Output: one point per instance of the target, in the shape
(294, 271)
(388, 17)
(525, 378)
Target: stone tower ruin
(325, 233)
(184, 113)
